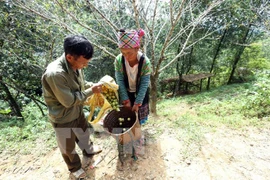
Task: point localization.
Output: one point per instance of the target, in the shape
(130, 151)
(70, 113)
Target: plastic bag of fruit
(110, 90)
(104, 102)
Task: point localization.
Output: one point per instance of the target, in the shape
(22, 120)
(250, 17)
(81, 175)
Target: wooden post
(201, 85)
(186, 89)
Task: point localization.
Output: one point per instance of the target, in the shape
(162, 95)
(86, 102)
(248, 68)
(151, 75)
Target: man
(65, 91)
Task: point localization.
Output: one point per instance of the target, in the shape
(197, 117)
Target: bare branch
(179, 34)
(189, 46)
(241, 44)
(160, 30)
(83, 25)
(154, 15)
(61, 24)
(182, 50)
(179, 12)
(136, 13)
(152, 37)
(193, 25)
(102, 15)
(171, 12)
(190, 11)
(20, 5)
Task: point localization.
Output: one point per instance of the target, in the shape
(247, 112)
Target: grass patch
(222, 106)
(189, 117)
(34, 135)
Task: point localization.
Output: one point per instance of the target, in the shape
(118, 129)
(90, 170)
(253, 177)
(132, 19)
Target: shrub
(258, 97)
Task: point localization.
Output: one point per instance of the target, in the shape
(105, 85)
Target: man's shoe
(86, 161)
(95, 150)
(80, 174)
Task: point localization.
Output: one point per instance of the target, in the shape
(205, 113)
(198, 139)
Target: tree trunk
(179, 71)
(215, 56)
(13, 104)
(153, 94)
(238, 55)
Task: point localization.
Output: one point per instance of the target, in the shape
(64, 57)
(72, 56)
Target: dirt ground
(223, 154)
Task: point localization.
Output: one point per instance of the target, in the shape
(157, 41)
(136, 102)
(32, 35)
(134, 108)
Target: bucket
(123, 125)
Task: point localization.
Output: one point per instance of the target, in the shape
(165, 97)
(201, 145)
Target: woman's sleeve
(119, 77)
(144, 82)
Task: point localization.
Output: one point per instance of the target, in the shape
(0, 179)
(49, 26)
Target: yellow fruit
(110, 96)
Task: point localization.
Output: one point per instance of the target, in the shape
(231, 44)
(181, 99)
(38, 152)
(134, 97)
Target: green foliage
(235, 106)
(258, 97)
(23, 43)
(4, 108)
(35, 129)
(255, 57)
(99, 68)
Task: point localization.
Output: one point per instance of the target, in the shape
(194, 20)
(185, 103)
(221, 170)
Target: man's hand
(97, 88)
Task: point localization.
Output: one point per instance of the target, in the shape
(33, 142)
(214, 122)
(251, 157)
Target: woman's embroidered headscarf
(130, 39)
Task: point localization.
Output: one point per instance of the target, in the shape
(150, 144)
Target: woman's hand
(135, 107)
(126, 103)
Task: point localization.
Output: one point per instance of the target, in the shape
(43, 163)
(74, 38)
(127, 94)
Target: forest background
(227, 38)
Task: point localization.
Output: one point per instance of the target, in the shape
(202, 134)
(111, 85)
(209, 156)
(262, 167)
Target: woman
(132, 73)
